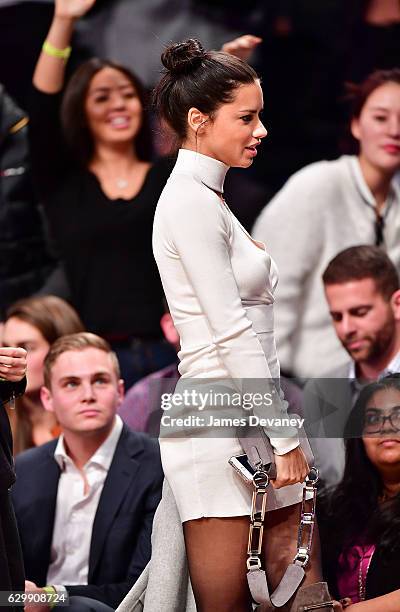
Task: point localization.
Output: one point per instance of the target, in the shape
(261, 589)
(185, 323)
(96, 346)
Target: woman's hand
(12, 363)
(341, 605)
(242, 47)
(50, 70)
(72, 9)
(292, 467)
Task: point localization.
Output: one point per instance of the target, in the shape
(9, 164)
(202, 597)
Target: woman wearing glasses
(361, 530)
(325, 208)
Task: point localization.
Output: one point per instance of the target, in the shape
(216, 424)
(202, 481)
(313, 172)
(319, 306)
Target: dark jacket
(120, 546)
(24, 259)
(7, 474)
(11, 565)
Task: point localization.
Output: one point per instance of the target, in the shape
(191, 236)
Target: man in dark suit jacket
(85, 503)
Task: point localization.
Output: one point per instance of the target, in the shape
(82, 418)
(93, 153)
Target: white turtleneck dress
(219, 285)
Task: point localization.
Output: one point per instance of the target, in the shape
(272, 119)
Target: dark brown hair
(358, 94)
(360, 262)
(197, 78)
(73, 116)
(355, 512)
(77, 342)
(53, 317)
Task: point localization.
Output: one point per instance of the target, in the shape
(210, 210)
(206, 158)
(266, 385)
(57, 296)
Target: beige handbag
(257, 466)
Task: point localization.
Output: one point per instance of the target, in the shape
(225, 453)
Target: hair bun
(183, 57)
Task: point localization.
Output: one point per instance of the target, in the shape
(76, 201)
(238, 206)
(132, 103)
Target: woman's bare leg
(280, 546)
(216, 551)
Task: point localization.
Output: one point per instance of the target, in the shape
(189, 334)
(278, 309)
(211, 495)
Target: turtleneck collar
(209, 171)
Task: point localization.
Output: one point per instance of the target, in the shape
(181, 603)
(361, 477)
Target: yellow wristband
(54, 52)
(50, 590)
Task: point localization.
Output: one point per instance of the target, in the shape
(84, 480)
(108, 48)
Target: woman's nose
(260, 131)
(117, 100)
(394, 126)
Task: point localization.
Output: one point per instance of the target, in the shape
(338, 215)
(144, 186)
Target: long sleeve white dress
(219, 284)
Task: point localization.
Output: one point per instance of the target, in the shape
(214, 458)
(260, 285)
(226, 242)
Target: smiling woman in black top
(99, 188)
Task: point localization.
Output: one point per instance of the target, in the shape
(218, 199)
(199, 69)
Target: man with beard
(362, 291)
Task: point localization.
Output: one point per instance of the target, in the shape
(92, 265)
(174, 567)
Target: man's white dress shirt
(75, 510)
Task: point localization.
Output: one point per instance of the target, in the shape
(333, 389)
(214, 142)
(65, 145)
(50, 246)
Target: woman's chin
(121, 137)
(245, 162)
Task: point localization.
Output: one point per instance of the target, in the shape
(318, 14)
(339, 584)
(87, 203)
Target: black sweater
(105, 244)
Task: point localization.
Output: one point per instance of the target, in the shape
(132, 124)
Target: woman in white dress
(219, 284)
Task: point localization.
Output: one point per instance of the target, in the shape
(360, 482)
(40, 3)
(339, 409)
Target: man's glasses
(374, 420)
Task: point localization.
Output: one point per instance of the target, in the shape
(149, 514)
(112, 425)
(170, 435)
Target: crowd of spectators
(329, 206)
(81, 171)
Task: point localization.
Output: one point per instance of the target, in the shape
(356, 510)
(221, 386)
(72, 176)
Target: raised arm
(50, 69)
(50, 158)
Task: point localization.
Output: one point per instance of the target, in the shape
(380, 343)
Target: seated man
(363, 294)
(85, 503)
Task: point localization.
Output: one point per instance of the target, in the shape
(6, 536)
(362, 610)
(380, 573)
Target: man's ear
(395, 303)
(196, 119)
(120, 391)
(169, 329)
(46, 399)
(355, 128)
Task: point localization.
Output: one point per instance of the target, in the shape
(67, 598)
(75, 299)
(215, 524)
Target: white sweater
(321, 210)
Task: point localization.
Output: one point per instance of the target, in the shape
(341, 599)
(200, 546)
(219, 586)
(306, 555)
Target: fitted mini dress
(219, 284)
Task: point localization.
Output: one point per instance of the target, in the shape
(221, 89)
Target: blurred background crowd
(83, 162)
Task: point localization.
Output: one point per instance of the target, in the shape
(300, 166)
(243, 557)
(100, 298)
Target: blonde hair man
(85, 503)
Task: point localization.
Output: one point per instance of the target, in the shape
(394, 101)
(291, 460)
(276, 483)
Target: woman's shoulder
(41, 100)
(185, 194)
(310, 190)
(161, 168)
(155, 179)
(186, 202)
(320, 174)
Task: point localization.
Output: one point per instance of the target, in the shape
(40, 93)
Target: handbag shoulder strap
(295, 572)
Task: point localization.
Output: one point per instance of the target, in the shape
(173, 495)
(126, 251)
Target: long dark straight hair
(73, 116)
(354, 506)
